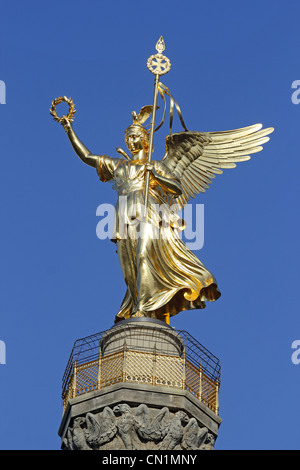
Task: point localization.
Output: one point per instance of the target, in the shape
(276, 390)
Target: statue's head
(136, 136)
(137, 139)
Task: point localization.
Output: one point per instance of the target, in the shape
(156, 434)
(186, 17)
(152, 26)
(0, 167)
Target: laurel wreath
(72, 110)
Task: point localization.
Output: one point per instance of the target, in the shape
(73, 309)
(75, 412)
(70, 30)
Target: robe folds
(163, 277)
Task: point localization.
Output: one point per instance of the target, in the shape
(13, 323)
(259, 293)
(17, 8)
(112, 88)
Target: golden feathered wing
(196, 157)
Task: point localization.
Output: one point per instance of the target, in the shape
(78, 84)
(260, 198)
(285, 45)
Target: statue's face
(134, 143)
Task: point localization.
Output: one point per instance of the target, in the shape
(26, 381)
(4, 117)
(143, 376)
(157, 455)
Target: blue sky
(233, 64)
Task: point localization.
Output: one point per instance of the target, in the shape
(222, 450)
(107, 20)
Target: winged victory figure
(163, 277)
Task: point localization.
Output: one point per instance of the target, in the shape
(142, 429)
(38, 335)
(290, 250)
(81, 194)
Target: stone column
(148, 395)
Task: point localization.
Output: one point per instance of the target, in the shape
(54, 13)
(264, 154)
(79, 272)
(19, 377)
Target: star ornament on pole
(158, 63)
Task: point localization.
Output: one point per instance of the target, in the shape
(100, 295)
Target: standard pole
(156, 82)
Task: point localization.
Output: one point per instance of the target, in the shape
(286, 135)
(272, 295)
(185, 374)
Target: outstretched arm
(83, 153)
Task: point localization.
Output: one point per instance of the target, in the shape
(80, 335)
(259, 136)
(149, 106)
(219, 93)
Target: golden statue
(162, 275)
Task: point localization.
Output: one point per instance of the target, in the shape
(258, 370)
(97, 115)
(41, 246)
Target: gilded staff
(159, 65)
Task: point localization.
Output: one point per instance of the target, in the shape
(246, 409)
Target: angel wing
(196, 157)
(142, 421)
(160, 424)
(102, 431)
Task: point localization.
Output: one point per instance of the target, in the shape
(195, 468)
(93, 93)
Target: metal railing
(196, 370)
